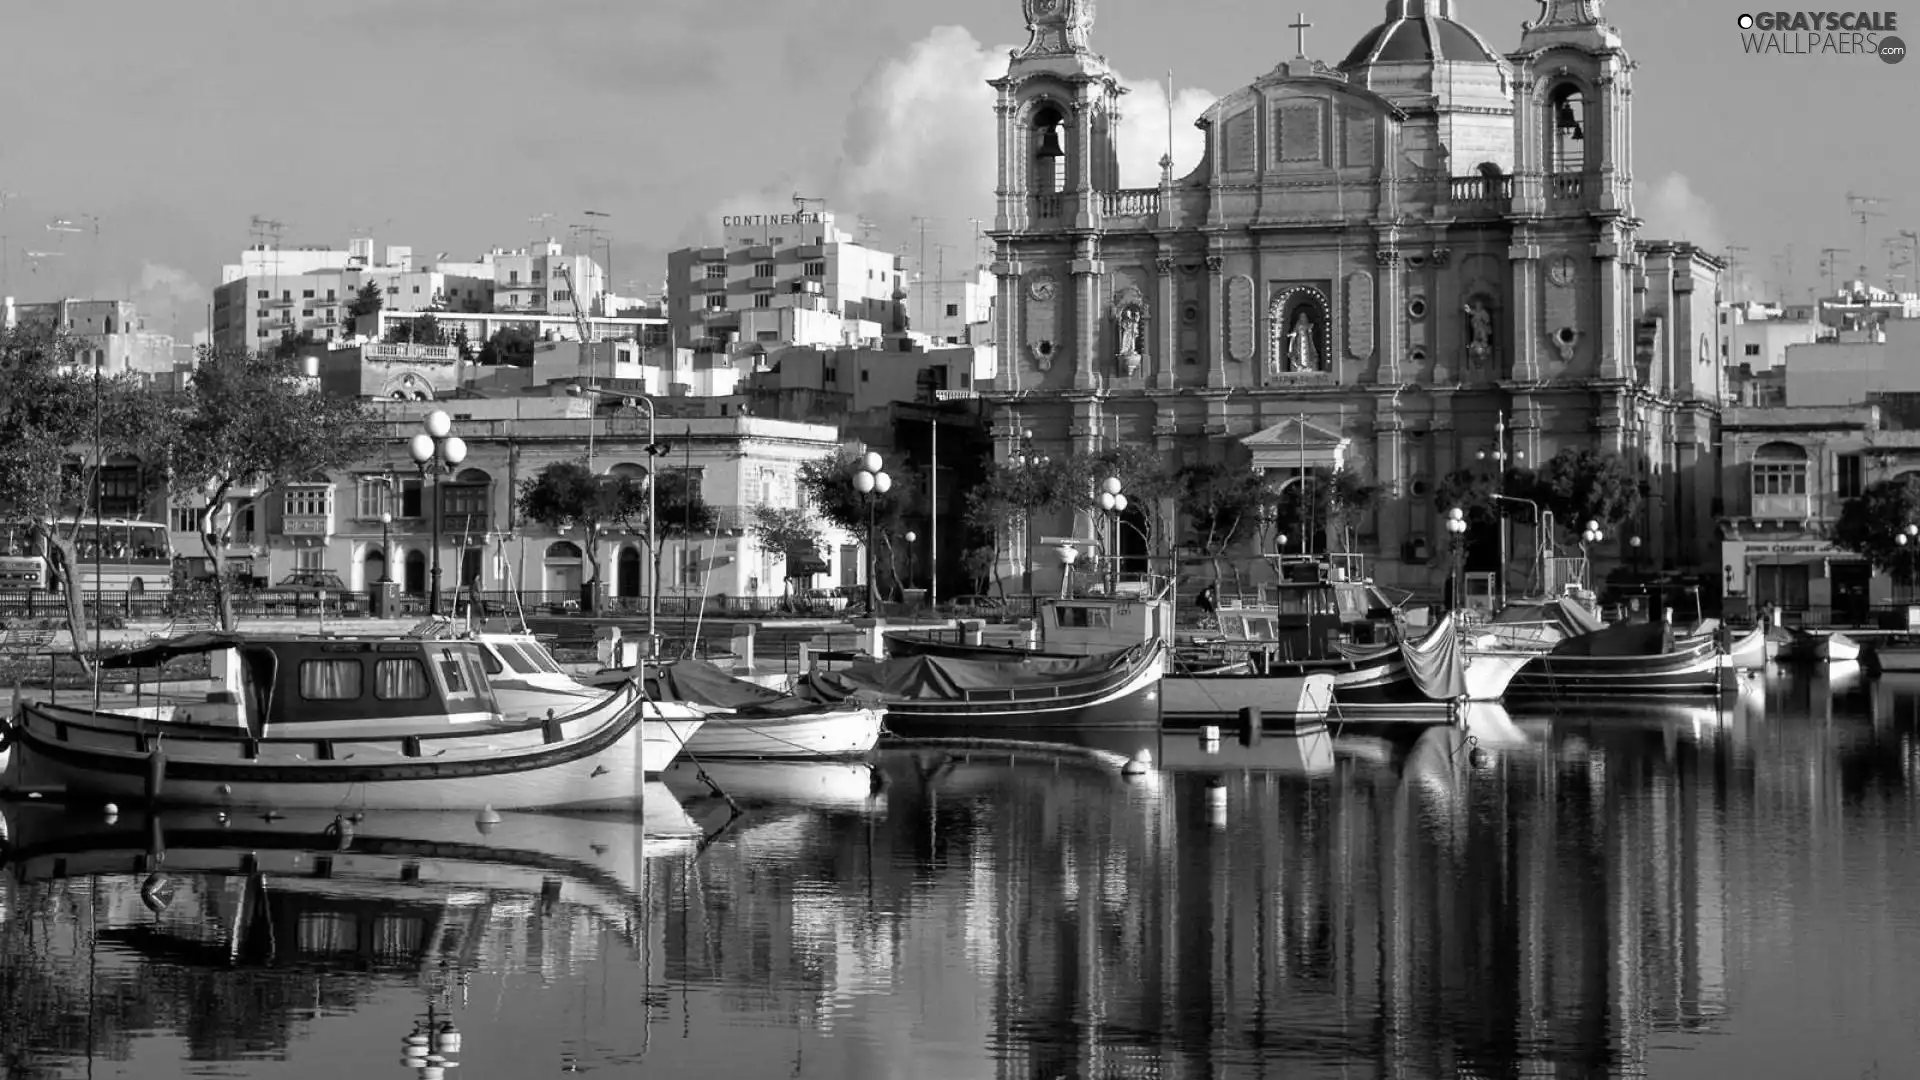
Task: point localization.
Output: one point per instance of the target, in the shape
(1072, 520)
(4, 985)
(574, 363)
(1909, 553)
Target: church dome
(1419, 32)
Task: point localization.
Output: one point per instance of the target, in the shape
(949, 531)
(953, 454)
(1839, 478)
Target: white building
(776, 261)
(956, 309)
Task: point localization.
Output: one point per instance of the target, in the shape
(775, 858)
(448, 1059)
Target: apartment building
(109, 335)
(773, 262)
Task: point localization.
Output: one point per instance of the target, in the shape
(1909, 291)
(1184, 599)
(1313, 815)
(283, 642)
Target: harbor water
(1663, 891)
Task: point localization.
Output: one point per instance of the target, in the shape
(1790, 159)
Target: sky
(160, 130)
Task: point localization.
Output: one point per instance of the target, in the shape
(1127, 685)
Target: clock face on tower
(1560, 271)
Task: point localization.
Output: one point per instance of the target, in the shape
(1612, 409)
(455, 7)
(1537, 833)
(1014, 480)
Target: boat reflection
(259, 925)
(1308, 754)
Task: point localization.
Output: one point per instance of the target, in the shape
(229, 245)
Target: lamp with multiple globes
(1113, 503)
(1457, 536)
(436, 450)
(1909, 540)
(1027, 456)
(872, 481)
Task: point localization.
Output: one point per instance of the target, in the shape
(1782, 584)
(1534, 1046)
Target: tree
(60, 427)
(567, 493)
(1870, 521)
(368, 300)
(788, 531)
(682, 512)
(249, 420)
(421, 330)
(291, 344)
(1007, 499)
(1581, 485)
(462, 345)
(981, 563)
(1144, 479)
(828, 482)
(1220, 505)
(510, 346)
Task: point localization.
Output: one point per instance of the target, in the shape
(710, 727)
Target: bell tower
(1058, 109)
(1573, 250)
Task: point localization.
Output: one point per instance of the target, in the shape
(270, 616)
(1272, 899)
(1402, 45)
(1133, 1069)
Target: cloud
(919, 141)
(1672, 210)
(164, 292)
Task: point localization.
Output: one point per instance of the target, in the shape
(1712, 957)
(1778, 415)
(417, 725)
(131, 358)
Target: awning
(1801, 558)
(805, 564)
(185, 645)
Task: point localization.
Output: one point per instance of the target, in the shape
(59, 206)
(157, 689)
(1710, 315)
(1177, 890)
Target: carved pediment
(1294, 432)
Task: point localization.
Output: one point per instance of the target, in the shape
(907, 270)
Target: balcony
(1131, 203)
(314, 525)
(760, 251)
(455, 525)
(761, 283)
(1566, 186)
(1782, 507)
(1048, 207)
(713, 284)
(1491, 191)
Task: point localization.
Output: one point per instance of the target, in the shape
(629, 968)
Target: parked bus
(114, 554)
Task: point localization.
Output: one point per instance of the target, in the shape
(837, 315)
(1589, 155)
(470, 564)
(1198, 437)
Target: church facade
(1421, 260)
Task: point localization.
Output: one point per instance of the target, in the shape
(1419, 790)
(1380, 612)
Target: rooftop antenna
(940, 280)
(1913, 248)
(591, 230)
(920, 267)
(866, 229)
(263, 229)
(6, 260)
(539, 222)
(1829, 263)
(801, 202)
(1857, 208)
(67, 225)
(1734, 251)
(980, 247)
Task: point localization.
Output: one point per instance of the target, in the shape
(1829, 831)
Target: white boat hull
(1489, 673)
(1191, 699)
(1898, 658)
(666, 727)
(587, 759)
(838, 733)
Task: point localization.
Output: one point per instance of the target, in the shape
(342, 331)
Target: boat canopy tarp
(947, 678)
(1437, 662)
(158, 652)
(699, 682)
(1625, 639)
(1569, 616)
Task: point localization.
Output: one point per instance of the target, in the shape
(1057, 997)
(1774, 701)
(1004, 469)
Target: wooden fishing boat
(1819, 647)
(747, 720)
(1485, 673)
(923, 693)
(528, 682)
(400, 723)
(1629, 660)
(1897, 654)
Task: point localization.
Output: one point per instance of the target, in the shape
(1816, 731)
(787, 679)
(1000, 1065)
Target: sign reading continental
(806, 218)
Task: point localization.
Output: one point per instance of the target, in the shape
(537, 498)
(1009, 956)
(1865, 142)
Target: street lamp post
(386, 546)
(1114, 504)
(437, 450)
(872, 482)
(1025, 456)
(1590, 536)
(1908, 538)
(1457, 535)
(911, 538)
(1501, 455)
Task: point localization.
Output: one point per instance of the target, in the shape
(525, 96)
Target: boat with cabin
(1627, 660)
(313, 721)
(1191, 691)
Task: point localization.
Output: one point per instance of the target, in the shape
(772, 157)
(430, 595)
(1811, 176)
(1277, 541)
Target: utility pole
(1913, 248)
(591, 230)
(940, 281)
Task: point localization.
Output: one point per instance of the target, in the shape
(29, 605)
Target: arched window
(769, 488)
(628, 571)
(1049, 151)
(563, 549)
(1780, 480)
(1567, 138)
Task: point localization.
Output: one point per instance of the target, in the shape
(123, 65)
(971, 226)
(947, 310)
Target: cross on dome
(1300, 26)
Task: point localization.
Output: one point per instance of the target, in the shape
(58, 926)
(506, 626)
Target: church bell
(1050, 144)
(1569, 122)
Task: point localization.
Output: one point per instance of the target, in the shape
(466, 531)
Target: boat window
(490, 661)
(330, 680)
(1083, 617)
(452, 672)
(545, 659)
(401, 679)
(520, 664)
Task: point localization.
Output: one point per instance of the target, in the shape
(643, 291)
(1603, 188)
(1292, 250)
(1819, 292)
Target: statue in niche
(1130, 337)
(1479, 330)
(1302, 355)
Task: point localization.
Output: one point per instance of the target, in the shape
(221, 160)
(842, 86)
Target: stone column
(1087, 343)
(1216, 322)
(1169, 346)
(1523, 308)
(1615, 343)
(1390, 470)
(1006, 317)
(1390, 339)
(1086, 201)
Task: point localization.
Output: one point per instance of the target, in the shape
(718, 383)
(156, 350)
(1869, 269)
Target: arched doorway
(373, 567)
(416, 573)
(627, 573)
(560, 569)
(470, 573)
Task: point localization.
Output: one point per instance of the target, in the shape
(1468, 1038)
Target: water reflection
(1695, 892)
